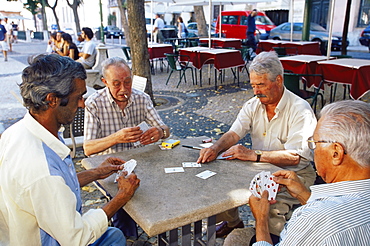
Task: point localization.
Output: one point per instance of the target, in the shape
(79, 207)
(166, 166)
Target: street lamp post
(101, 23)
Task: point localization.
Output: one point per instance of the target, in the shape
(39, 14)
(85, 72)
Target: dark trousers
(251, 41)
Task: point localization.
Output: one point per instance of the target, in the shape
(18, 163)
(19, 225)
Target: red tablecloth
(355, 72)
(159, 50)
(223, 42)
(301, 48)
(221, 58)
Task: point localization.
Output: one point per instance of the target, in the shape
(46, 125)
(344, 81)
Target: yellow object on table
(170, 143)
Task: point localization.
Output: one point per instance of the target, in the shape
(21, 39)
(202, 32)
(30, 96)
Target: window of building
(364, 14)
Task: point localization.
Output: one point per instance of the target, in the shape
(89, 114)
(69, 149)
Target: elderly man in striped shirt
(336, 213)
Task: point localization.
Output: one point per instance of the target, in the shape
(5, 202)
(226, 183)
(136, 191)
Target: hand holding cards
(128, 167)
(264, 181)
(144, 127)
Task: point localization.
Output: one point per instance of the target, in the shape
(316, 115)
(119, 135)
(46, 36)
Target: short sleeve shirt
(103, 116)
(2, 32)
(294, 122)
(89, 48)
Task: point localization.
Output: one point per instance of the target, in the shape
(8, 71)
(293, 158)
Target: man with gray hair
(336, 213)
(40, 202)
(279, 123)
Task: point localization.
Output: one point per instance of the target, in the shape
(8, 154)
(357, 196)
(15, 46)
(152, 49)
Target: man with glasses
(279, 123)
(336, 213)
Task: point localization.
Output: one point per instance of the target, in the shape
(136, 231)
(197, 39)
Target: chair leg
(180, 79)
(169, 77)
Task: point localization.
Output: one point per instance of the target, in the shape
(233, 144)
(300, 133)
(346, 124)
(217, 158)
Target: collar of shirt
(338, 189)
(45, 136)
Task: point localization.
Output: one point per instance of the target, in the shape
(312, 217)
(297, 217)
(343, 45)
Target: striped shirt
(335, 214)
(104, 117)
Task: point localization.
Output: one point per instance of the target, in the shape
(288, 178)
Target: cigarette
(125, 96)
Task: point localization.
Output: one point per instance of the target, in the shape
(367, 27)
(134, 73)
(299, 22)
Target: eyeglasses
(312, 143)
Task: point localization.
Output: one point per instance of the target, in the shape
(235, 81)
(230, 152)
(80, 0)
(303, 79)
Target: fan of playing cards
(128, 166)
(264, 181)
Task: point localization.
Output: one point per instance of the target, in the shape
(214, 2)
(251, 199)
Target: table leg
(198, 233)
(200, 77)
(211, 230)
(173, 237)
(186, 235)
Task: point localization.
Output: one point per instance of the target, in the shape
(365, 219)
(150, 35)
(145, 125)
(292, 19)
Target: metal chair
(292, 82)
(126, 51)
(73, 133)
(179, 65)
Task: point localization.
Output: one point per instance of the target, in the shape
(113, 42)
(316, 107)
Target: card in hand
(128, 167)
(264, 181)
(144, 127)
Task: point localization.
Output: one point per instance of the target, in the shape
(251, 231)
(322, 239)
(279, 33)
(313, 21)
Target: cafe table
(221, 58)
(353, 72)
(223, 42)
(165, 202)
(158, 51)
(292, 48)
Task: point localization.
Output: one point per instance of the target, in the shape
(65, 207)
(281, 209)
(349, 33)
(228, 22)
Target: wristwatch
(164, 132)
(258, 153)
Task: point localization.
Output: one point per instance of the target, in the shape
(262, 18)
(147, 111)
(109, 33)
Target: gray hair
(49, 74)
(348, 122)
(113, 61)
(267, 63)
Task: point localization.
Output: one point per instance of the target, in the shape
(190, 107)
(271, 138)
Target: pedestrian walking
(3, 42)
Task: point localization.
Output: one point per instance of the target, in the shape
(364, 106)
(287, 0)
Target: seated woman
(69, 48)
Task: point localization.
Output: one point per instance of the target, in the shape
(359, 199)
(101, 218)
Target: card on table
(174, 170)
(264, 181)
(205, 174)
(128, 167)
(191, 164)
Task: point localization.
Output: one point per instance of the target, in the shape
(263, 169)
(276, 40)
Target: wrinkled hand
(152, 135)
(239, 152)
(260, 206)
(108, 167)
(128, 135)
(207, 155)
(294, 185)
(127, 186)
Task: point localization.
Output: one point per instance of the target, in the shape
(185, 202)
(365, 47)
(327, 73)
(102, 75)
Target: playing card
(206, 145)
(205, 174)
(191, 164)
(128, 166)
(144, 127)
(174, 170)
(264, 181)
(220, 157)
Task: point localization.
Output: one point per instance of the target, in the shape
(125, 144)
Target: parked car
(234, 24)
(317, 33)
(193, 29)
(365, 37)
(113, 31)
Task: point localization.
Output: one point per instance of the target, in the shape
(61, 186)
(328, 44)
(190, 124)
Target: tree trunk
(124, 22)
(345, 28)
(56, 18)
(74, 7)
(201, 20)
(139, 43)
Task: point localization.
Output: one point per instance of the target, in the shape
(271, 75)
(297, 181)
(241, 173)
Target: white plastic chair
(139, 83)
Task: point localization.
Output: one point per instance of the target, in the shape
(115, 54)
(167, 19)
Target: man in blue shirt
(251, 40)
(40, 202)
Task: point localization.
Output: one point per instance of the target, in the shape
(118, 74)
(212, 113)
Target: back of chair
(291, 82)
(281, 51)
(139, 83)
(171, 58)
(126, 52)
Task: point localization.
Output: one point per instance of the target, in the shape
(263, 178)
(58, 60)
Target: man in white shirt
(158, 26)
(279, 123)
(336, 213)
(88, 52)
(9, 34)
(40, 202)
